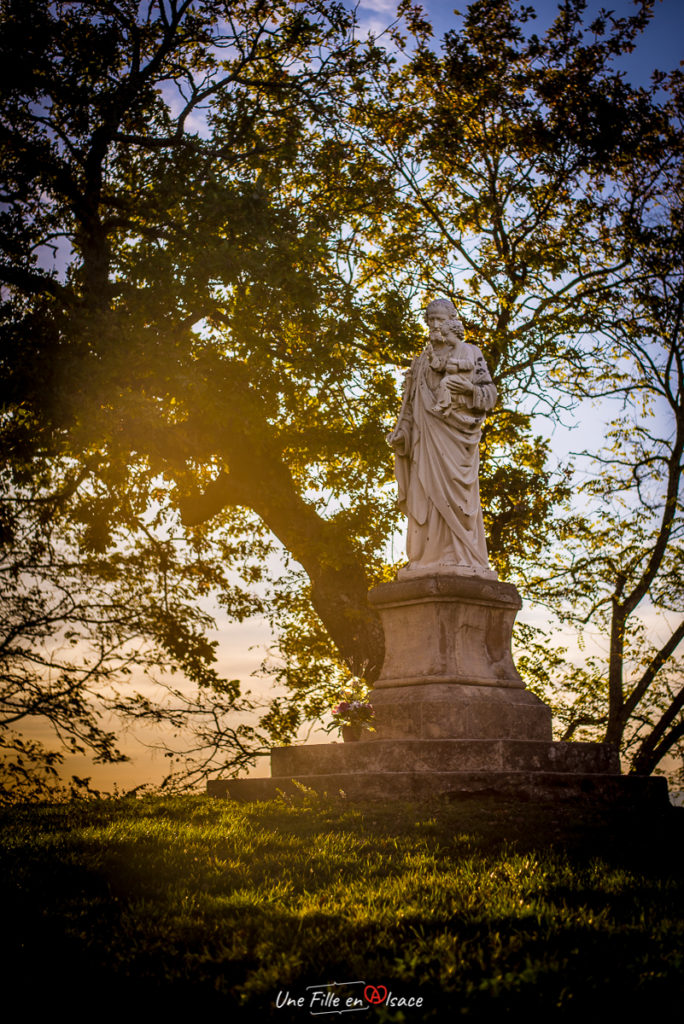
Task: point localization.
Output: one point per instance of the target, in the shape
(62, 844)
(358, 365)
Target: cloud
(380, 7)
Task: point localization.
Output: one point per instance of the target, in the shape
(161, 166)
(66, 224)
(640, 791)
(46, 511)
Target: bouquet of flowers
(353, 713)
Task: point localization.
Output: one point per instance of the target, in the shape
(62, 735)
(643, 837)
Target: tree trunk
(260, 480)
(616, 719)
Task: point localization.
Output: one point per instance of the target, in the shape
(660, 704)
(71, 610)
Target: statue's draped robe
(438, 474)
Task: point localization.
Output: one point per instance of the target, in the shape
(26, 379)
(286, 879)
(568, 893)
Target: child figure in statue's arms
(456, 386)
(457, 372)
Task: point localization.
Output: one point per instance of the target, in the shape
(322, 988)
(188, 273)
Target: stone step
(443, 755)
(631, 790)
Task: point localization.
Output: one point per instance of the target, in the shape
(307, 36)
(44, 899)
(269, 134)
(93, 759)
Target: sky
(661, 45)
(242, 646)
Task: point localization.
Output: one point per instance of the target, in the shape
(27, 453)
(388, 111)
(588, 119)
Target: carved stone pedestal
(448, 670)
(452, 714)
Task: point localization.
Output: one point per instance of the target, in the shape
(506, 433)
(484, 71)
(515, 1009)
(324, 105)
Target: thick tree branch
(659, 741)
(32, 283)
(201, 506)
(663, 655)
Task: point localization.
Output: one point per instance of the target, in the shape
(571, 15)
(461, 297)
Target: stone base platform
(622, 790)
(443, 756)
(452, 715)
(386, 770)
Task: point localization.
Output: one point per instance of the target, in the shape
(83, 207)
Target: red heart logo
(376, 994)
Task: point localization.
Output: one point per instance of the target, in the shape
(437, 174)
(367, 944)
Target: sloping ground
(481, 909)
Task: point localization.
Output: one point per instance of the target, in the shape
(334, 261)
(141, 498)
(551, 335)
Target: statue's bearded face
(444, 327)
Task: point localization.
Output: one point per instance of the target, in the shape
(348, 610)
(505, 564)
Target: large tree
(244, 203)
(187, 163)
(180, 330)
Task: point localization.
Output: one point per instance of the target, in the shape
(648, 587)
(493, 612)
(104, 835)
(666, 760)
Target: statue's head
(442, 319)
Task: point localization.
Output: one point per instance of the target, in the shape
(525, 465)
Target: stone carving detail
(447, 392)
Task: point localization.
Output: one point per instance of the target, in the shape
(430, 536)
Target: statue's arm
(400, 438)
(484, 390)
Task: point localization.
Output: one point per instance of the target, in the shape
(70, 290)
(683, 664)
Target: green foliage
(89, 642)
(29, 773)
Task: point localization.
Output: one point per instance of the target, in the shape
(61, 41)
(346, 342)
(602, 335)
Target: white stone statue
(447, 392)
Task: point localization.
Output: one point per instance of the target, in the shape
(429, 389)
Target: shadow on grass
(484, 911)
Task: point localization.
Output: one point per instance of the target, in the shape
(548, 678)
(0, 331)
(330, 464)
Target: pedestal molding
(459, 680)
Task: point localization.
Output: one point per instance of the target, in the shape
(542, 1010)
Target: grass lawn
(482, 909)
